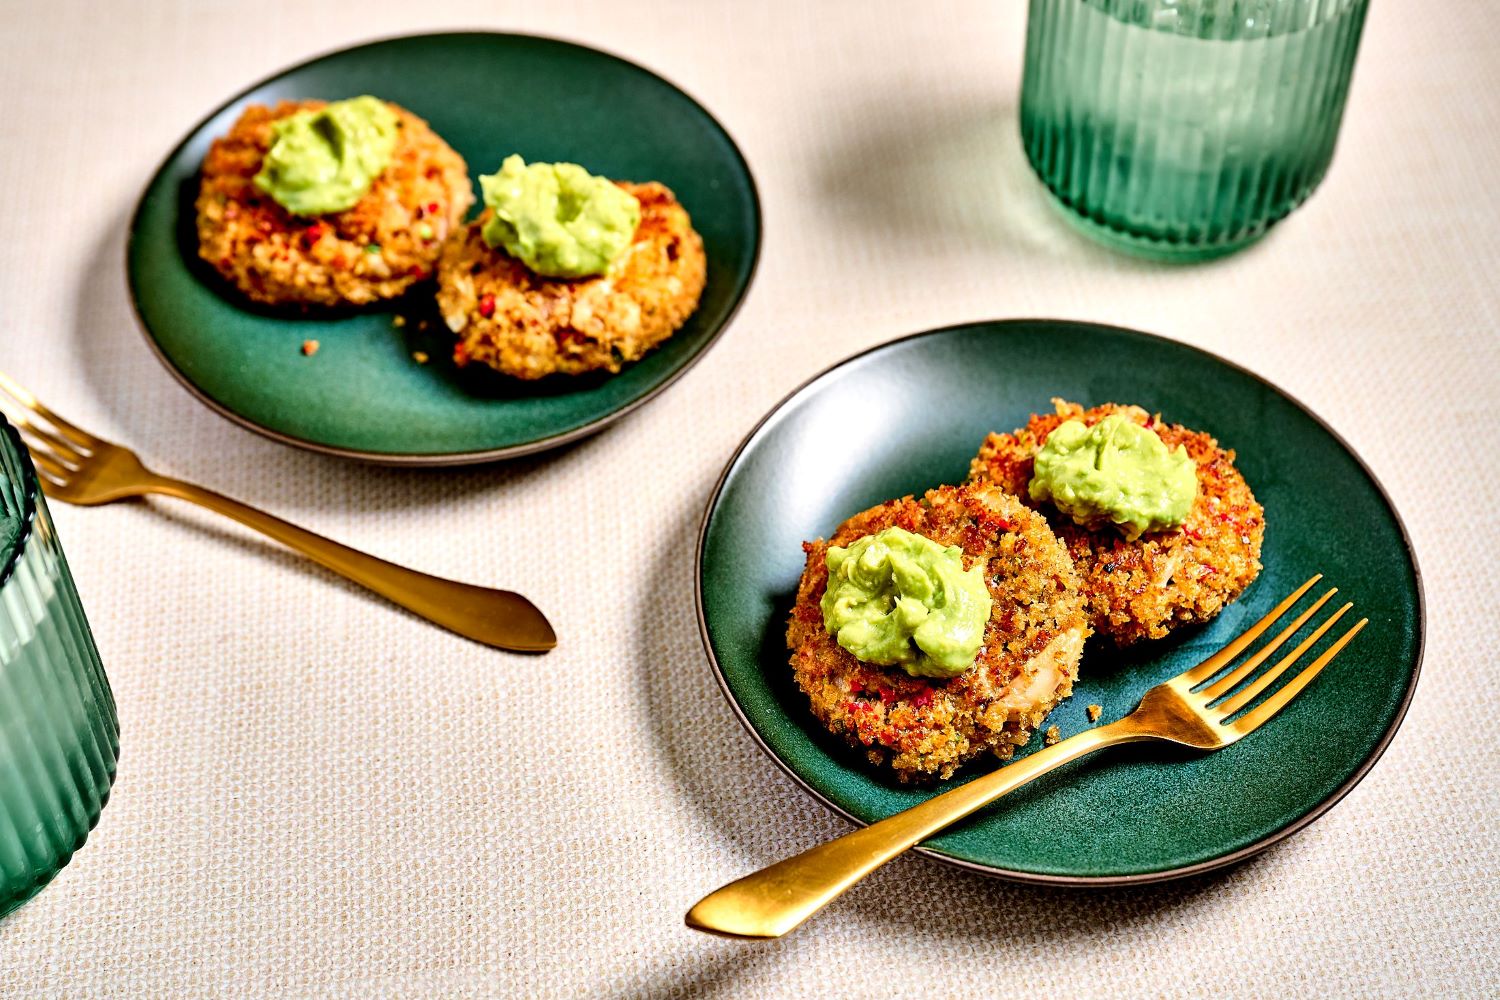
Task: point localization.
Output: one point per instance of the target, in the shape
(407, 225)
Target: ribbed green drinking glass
(1184, 129)
(59, 738)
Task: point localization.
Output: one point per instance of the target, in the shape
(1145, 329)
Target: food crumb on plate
(420, 357)
(399, 321)
(1094, 712)
(1053, 735)
(310, 347)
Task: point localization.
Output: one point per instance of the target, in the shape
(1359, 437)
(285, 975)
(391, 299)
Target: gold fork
(78, 467)
(776, 900)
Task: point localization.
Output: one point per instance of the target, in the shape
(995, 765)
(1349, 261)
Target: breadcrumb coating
(374, 250)
(526, 325)
(1145, 588)
(925, 728)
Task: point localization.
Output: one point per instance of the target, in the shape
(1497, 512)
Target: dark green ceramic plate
(910, 415)
(362, 395)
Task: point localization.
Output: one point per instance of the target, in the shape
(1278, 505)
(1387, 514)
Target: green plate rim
(440, 459)
(1036, 878)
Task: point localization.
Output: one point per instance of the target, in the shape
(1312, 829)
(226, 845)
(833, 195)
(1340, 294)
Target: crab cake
(526, 325)
(373, 250)
(922, 727)
(1143, 589)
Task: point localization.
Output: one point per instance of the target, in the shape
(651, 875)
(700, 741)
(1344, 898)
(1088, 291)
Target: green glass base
(13, 902)
(13, 896)
(1182, 131)
(1144, 246)
(59, 732)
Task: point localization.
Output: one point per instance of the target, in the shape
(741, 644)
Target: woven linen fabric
(320, 795)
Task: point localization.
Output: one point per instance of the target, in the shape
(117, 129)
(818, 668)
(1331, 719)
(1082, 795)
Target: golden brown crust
(283, 259)
(1145, 588)
(924, 728)
(526, 325)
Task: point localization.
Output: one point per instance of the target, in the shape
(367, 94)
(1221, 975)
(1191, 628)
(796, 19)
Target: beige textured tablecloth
(321, 795)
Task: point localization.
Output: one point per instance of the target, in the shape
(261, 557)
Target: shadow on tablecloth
(953, 181)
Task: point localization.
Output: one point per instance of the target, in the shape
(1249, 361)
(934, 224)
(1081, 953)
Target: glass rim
(10, 440)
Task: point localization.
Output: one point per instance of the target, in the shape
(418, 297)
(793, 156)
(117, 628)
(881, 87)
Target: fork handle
(775, 900)
(494, 617)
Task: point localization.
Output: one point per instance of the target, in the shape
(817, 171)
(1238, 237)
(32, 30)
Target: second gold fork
(81, 468)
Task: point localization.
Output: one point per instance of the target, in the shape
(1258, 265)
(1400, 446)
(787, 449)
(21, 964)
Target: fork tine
(77, 435)
(1254, 718)
(1225, 656)
(1265, 680)
(12, 387)
(47, 457)
(63, 449)
(50, 466)
(1231, 680)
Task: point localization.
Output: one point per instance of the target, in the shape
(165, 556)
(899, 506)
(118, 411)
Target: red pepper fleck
(417, 272)
(855, 687)
(887, 696)
(433, 207)
(922, 698)
(460, 354)
(992, 522)
(487, 306)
